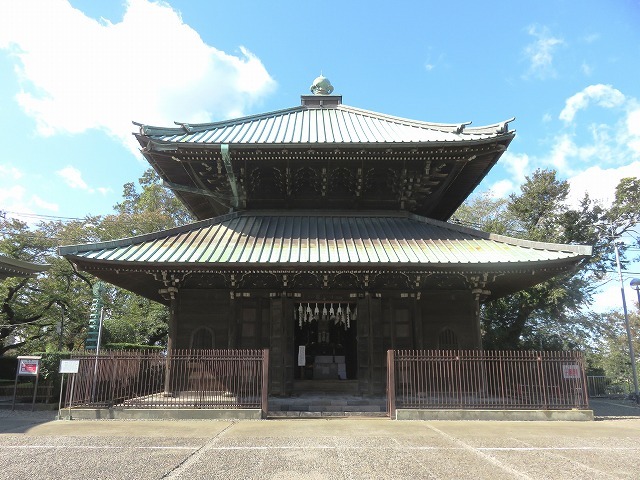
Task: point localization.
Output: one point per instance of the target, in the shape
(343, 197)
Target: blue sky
(75, 74)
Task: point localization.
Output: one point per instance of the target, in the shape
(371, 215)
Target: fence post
(391, 384)
(265, 382)
(541, 376)
(583, 379)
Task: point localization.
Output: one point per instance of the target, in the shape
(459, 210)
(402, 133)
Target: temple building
(323, 236)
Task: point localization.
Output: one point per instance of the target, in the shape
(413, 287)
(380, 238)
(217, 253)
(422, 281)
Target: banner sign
(302, 356)
(571, 371)
(28, 366)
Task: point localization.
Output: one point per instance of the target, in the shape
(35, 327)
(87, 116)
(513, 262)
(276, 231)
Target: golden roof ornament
(321, 86)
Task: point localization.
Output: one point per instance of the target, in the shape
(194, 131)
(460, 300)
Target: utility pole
(626, 324)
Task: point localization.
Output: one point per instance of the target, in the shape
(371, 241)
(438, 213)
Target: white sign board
(28, 366)
(302, 356)
(571, 371)
(69, 366)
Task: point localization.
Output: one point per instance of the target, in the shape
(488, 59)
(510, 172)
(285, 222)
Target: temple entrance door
(325, 340)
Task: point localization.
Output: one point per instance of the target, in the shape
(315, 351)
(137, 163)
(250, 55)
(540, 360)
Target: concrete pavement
(33, 446)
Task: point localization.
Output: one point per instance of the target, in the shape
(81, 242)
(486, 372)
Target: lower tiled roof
(322, 238)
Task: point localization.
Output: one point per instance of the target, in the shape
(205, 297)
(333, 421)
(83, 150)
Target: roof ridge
(457, 128)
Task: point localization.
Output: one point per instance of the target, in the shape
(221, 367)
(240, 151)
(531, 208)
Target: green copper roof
(335, 124)
(320, 239)
(11, 267)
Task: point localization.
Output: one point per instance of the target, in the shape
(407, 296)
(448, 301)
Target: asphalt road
(33, 446)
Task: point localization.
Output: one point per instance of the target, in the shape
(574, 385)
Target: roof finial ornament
(321, 86)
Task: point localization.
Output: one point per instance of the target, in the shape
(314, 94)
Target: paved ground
(34, 446)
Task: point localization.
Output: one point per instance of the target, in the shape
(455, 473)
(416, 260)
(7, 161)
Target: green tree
(611, 351)
(51, 311)
(45, 309)
(550, 315)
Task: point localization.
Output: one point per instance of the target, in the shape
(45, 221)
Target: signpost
(28, 366)
(67, 366)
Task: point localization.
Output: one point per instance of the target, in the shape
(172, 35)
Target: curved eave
(11, 267)
(154, 145)
(297, 216)
(318, 266)
(504, 278)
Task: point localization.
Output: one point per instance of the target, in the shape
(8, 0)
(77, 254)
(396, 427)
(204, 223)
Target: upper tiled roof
(317, 240)
(337, 124)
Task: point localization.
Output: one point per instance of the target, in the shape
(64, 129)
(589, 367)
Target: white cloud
(78, 73)
(517, 164)
(73, 178)
(13, 200)
(53, 207)
(592, 38)
(502, 188)
(603, 95)
(561, 151)
(586, 69)
(11, 196)
(10, 172)
(592, 157)
(540, 52)
(632, 124)
(600, 183)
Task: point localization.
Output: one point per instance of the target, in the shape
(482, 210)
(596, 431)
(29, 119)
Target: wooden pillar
(418, 341)
(233, 322)
(172, 292)
(277, 347)
(478, 295)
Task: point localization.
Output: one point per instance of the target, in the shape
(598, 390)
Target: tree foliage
(51, 311)
(553, 314)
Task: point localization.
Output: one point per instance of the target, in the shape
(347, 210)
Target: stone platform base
(160, 414)
(496, 415)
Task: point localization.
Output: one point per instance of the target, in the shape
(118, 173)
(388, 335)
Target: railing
(476, 379)
(24, 393)
(185, 379)
(601, 386)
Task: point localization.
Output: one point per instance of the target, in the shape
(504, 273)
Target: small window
(202, 338)
(447, 340)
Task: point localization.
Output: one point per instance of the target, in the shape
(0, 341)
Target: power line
(40, 216)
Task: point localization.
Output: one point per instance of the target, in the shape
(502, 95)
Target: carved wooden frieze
(206, 281)
(305, 280)
(260, 280)
(345, 281)
(391, 280)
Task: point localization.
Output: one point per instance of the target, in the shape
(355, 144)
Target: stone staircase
(327, 398)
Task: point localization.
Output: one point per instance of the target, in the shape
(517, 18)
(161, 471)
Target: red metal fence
(184, 379)
(476, 379)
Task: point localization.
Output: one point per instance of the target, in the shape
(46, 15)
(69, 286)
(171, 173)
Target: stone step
(328, 408)
(300, 414)
(324, 404)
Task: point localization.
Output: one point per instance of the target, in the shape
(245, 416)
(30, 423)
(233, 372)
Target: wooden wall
(385, 321)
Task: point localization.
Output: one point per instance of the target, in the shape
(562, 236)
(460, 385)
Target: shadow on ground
(614, 408)
(22, 418)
